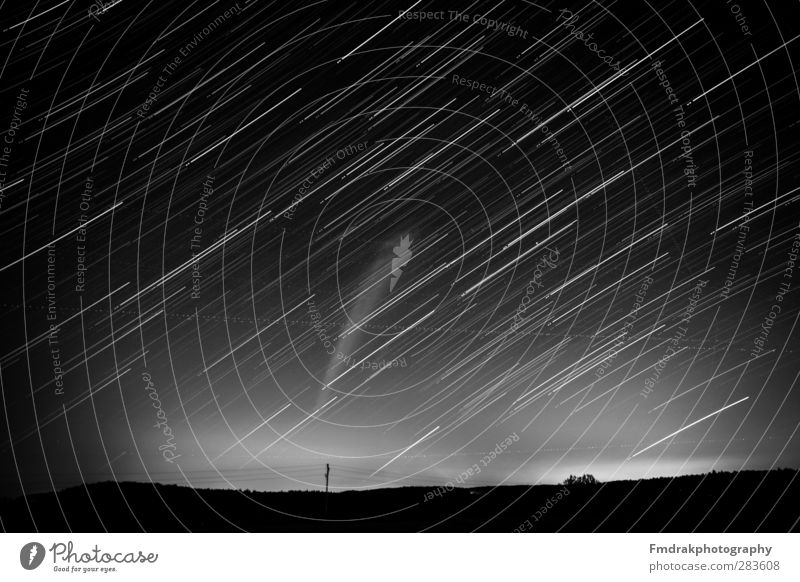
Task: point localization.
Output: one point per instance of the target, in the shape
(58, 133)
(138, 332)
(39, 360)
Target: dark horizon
(719, 503)
(422, 483)
(465, 485)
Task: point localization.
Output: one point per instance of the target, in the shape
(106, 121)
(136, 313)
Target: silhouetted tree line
(574, 480)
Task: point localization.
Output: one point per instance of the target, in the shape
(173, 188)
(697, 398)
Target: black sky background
(253, 395)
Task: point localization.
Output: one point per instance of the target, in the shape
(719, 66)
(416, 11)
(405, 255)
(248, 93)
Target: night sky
(241, 241)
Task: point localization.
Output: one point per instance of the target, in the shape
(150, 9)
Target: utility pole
(327, 474)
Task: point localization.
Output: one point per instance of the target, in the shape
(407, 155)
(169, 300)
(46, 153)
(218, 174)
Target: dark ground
(738, 502)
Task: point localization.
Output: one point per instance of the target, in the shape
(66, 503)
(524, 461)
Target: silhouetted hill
(739, 502)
